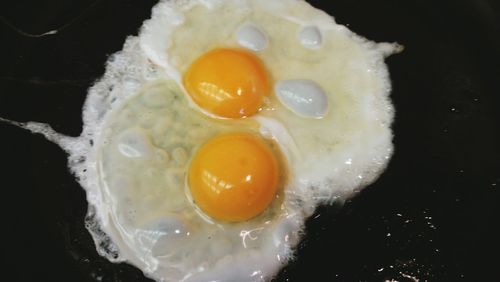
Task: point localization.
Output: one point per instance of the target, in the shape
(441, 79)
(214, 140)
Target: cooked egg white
(316, 112)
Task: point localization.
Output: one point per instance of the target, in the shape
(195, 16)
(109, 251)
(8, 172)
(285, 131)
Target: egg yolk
(234, 177)
(229, 83)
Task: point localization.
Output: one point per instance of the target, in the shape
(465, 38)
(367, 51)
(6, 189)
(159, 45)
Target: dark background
(433, 215)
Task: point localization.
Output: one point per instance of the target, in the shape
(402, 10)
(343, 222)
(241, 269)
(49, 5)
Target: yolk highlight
(234, 177)
(229, 83)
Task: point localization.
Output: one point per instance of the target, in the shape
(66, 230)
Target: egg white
(328, 159)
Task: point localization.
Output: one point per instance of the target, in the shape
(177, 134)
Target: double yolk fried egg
(220, 128)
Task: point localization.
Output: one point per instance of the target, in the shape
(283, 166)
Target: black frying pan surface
(433, 215)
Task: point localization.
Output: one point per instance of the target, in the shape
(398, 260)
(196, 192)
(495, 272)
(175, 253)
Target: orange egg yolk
(229, 83)
(234, 177)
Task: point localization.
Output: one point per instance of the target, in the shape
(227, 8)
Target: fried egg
(219, 129)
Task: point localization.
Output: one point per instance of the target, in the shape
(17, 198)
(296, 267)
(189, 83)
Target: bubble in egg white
(310, 37)
(164, 236)
(134, 143)
(303, 97)
(252, 37)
